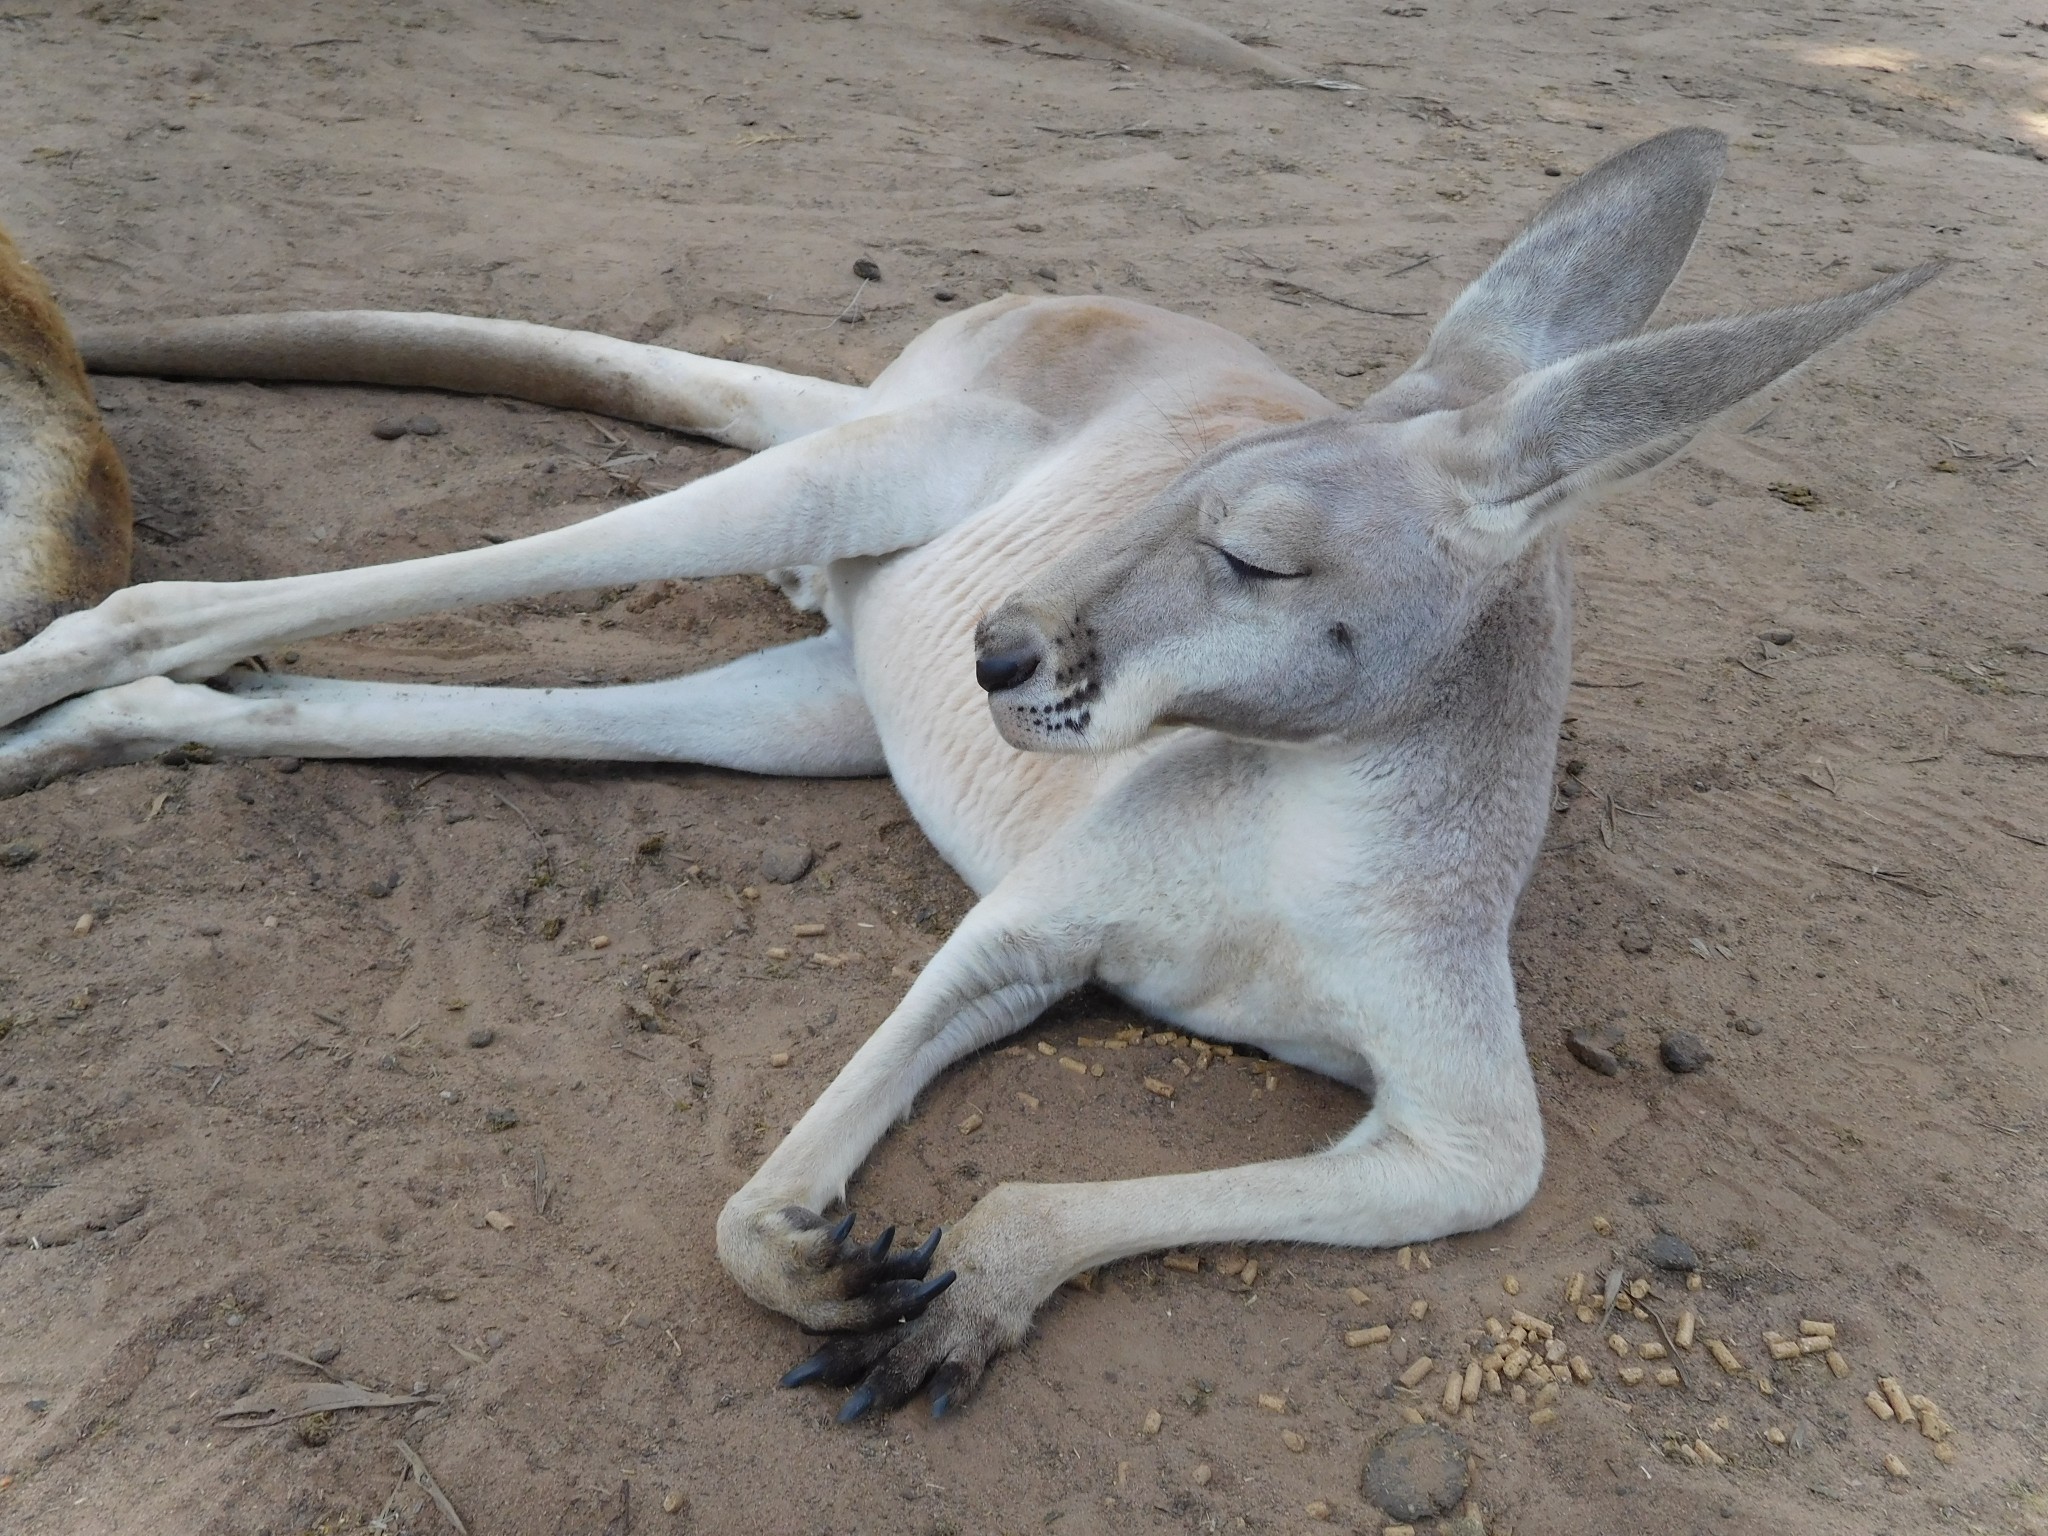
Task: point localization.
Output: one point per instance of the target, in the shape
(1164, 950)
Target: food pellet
(1775, 1435)
(1650, 1349)
(1708, 1454)
(1512, 1286)
(1555, 1351)
(1520, 1394)
(1412, 1415)
(1398, 1530)
(1454, 1392)
(1405, 1258)
(1587, 1315)
(1783, 1349)
(1631, 1375)
(1378, 1334)
(778, 1059)
(1896, 1467)
(1815, 1344)
(1878, 1405)
(1250, 1273)
(1029, 1101)
(1575, 1289)
(1186, 1263)
(1547, 1396)
(1535, 1325)
(1418, 1310)
(1515, 1364)
(1492, 1380)
(1682, 1335)
(1274, 1404)
(1293, 1441)
(1638, 1289)
(1164, 1090)
(1810, 1329)
(602, 941)
(1202, 1473)
(1316, 1509)
(1944, 1451)
(778, 952)
(1582, 1370)
(1837, 1366)
(1072, 1065)
(971, 1124)
(808, 930)
(1693, 1281)
(1152, 1421)
(1618, 1344)
(1542, 1417)
(1468, 1389)
(1538, 1371)
(1624, 1303)
(1418, 1368)
(1358, 1297)
(1668, 1376)
(1932, 1424)
(1045, 1048)
(674, 1500)
(1724, 1357)
(1895, 1395)
(1603, 1226)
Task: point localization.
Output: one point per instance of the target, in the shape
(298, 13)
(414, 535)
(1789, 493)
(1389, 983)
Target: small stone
(208, 930)
(324, 1351)
(480, 1037)
(1467, 1524)
(39, 1405)
(499, 1119)
(1349, 370)
(867, 271)
(786, 863)
(1777, 637)
(1747, 1026)
(1665, 1251)
(1635, 941)
(1202, 1473)
(1683, 1051)
(1416, 1472)
(1047, 274)
(1029, 227)
(18, 855)
(390, 429)
(423, 426)
(944, 295)
(236, 1319)
(388, 1063)
(1002, 191)
(1596, 1046)
(286, 764)
(498, 1221)
(674, 1502)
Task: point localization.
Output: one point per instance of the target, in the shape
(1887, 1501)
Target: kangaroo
(1258, 734)
(66, 523)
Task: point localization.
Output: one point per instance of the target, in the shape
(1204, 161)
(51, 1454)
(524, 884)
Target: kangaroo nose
(1003, 670)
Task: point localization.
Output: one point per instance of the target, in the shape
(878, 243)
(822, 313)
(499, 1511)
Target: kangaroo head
(1307, 583)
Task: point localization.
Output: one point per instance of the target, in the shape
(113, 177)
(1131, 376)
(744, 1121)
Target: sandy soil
(239, 1114)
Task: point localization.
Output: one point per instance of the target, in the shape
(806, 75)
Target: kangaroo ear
(1588, 270)
(1558, 438)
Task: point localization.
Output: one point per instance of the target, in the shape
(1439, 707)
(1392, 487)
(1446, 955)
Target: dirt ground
(240, 1112)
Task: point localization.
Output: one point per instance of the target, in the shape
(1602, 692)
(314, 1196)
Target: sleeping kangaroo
(1261, 742)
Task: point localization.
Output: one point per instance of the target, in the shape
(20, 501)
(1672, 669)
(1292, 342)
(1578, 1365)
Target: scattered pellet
(1619, 1345)
(1668, 1376)
(1293, 1441)
(1515, 1364)
(1468, 1389)
(1418, 1368)
(1538, 1371)
(1072, 1065)
(1555, 1351)
(1546, 1395)
(1809, 1329)
(1045, 1048)
(1029, 1101)
(1932, 1424)
(1512, 1286)
(1775, 1435)
(1542, 1417)
(1519, 1394)
(1493, 1384)
(1837, 1366)
(1316, 1509)
(1631, 1375)
(1724, 1357)
(1250, 1273)
(1944, 1451)
(1588, 1316)
(778, 1058)
(1358, 1297)
(1272, 1403)
(1638, 1288)
(1359, 1337)
(1186, 1263)
(1496, 1329)
(1693, 1282)
(1894, 1394)
(1398, 1530)
(1164, 1090)
(1651, 1349)
(1708, 1454)
(1454, 1392)
(1202, 1473)
(1896, 1467)
(1418, 1310)
(1575, 1289)
(1152, 1421)
(1878, 1405)
(1682, 1334)
(602, 941)
(1763, 1385)
(971, 1124)
(1412, 1415)
(1783, 1349)
(778, 952)
(1406, 1257)
(498, 1221)
(673, 1501)
(808, 930)
(84, 924)
(1535, 1325)
(1603, 1226)
(1582, 1370)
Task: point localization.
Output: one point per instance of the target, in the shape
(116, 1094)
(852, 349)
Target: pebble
(1350, 370)
(1029, 227)
(499, 1119)
(286, 764)
(1416, 1472)
(944, 295)
(1684, 1051)
(387, 1063)
(236, 1319)
(423, 426)
(786, 863)
(324, 1351)
(867, 271)
(391, 428)
(39, 1405)
(208, 930)
(1635, 941)
(1664, 1251)
(1596, 1046)
(481, 1037)
(1777, 637)
(1002, 191)
(16, 855)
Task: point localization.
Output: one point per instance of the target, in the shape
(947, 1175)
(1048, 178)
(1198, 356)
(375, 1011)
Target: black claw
(878, 1250)
(907, 1266)
(844, 1230)
(857, 1405)
(925, 1295)
(810, 1371)
(927, 1248)
(941, 1402)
